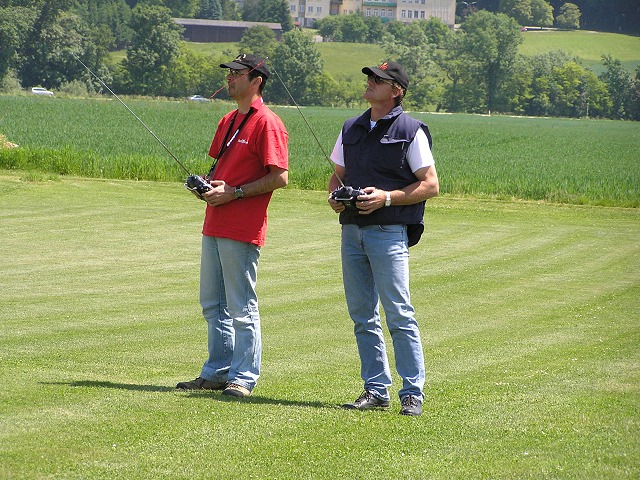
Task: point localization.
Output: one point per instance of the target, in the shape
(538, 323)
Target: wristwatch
(239, 193)
(387, 202)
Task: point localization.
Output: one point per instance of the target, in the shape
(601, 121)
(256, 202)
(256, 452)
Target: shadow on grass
(254, 399)
(120, 386)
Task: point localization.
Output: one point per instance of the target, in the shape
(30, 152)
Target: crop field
(558, 160)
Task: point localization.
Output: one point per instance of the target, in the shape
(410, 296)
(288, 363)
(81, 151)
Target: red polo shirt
(260, 143)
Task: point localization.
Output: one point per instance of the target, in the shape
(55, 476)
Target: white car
(198, 98)
(41, 91)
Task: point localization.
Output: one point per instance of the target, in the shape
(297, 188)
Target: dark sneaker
(201, 384)
(367, 401)
(411, 405)
(235, 390)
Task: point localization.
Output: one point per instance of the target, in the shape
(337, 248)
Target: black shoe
(201, 384)
(367, 401)
(411, 405)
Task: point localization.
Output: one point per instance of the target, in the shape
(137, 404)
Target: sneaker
(201, 384)
(367, 401)
(411, 405)
(235, 390)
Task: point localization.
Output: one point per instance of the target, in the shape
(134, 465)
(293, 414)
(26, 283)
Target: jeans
(375, 268)
(228, 275)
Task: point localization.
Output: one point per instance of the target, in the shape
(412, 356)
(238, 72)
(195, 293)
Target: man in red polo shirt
(251, 161)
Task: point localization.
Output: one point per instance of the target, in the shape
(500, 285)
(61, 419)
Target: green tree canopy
(276, 11)
(490, 46)
(154, 47)
(569, 17)
(259, 40)
(299, 65)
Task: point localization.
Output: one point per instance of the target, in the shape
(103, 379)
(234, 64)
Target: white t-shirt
(419, 154)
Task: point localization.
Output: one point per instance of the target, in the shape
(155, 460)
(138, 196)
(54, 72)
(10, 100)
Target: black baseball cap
(390, 71)
(248, 60)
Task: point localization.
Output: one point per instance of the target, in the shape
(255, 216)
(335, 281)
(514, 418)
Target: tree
(577, 92)
(329, 28)
(113, 14)
(298, 63)
(435, 30)
(15, 25)
(413, 52)
(569, 17)
(276, 11)
(195, 73)
(541, 68)
(230, 10)
(395, 29)
(210, 9)
(181, 8)
(259, 40)
(251, 10)
(154, 47)
(620, 86)
(541, 13)
(375, 29)
(353, 28)
(490, 46)
(48, 61)
(518, 9)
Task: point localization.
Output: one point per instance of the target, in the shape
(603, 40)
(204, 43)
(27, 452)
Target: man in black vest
(386, 156)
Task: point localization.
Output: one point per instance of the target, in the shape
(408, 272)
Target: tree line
(476, 68)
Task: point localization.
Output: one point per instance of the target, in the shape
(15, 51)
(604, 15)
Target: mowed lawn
(529, 314)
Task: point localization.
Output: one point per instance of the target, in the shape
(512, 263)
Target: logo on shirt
(242, 140)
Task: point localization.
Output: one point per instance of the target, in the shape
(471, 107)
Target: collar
(365, 118)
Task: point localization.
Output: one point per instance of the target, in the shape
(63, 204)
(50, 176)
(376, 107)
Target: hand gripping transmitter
(197, 185)
(348, 196)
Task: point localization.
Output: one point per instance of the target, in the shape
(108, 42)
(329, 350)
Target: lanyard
(227, 141)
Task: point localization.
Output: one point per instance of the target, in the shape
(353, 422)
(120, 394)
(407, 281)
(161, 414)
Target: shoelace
(410, 401)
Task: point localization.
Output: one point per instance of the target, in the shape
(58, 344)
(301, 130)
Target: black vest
(378, 158)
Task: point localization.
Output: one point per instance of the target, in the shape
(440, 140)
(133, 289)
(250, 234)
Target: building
(199, 30)
(306, 12)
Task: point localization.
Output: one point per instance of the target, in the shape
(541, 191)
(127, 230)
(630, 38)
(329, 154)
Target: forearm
(276, 178)
(425, 188)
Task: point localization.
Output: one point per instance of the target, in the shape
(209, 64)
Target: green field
(587, 45)
(529, 315)
(558, 160)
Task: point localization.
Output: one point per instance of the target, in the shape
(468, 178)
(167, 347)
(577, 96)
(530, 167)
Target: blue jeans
(375, 268)
(228, 275)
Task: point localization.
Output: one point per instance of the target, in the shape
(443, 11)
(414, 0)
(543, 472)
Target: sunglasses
(378, 80)
(237, 73)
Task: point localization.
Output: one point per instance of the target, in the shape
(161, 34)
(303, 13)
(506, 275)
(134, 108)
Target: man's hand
(337, 206)
(373, 199)
(220, 194)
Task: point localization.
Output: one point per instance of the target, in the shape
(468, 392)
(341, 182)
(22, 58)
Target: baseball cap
(390, 71)
(248, 60)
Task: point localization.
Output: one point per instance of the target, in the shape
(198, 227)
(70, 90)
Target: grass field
(529, 314)
(587, 45)
(558, 160)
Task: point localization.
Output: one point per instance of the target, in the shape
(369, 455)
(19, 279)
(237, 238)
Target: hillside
(587, 45)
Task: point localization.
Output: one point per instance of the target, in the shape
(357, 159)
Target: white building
(306, 12)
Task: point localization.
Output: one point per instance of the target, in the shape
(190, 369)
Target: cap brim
(234, 65)
(376, 71)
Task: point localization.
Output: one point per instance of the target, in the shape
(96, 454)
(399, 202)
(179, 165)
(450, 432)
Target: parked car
(41, 91)
(198, 98)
